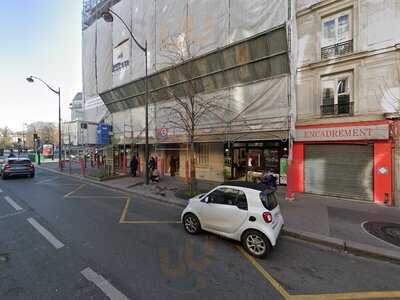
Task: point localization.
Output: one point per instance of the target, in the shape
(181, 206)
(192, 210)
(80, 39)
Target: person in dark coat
(269, 180)
(152, 164)
(172, 166)
(134, 166)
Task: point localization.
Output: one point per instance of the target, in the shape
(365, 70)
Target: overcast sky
(41, 38)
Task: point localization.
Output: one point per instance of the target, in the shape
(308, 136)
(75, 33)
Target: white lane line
(12, 203)
(107, 288)
(47, 234)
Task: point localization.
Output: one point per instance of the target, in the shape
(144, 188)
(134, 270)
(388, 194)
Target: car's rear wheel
(256, 243)
(32, 175)
(4, 176)
(191, 223)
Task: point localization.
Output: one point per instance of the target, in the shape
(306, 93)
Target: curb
(355, 248)
(119, 189)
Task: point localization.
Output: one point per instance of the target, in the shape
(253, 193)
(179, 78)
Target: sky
(40, 38)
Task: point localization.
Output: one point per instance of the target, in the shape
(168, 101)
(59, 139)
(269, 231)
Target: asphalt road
(61, 238)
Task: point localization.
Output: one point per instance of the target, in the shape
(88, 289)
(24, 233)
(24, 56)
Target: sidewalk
(320, 219)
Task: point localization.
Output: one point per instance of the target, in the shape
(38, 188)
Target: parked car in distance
(242, 211)
(2, 161)
(18, 166)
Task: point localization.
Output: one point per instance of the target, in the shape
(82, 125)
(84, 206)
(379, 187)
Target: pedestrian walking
(172, 166)
(134, 165)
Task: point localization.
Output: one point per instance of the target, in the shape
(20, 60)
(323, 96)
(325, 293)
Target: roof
(245, 184)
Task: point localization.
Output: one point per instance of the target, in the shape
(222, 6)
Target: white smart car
(242, 211)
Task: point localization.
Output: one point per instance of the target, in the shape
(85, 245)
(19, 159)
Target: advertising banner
(120, 67)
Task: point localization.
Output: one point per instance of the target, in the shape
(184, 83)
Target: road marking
(125, 211)
(107, 288)
(122, 219)
(75, 190)
(46, 180)
(12, 215)
(95, 197)
(150, 222)
(1, 190)
(333, 296)
(265, 274)
(12, 203)
(350, 296)
(47, 234)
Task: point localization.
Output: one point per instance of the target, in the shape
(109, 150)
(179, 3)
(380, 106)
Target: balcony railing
(337, 50)
(337, 109)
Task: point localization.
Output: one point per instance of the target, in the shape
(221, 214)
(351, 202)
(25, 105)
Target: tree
(5, 138)
(186, 108)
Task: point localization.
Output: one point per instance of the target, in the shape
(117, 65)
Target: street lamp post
(108, 17)
(58, 92)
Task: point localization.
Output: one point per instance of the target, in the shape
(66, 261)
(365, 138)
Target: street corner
(135, 212)
(313, 276)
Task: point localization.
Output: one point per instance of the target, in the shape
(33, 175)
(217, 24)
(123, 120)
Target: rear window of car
(268, 200)
(19, 162)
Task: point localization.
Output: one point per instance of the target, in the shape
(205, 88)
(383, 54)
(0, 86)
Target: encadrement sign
(351, 133)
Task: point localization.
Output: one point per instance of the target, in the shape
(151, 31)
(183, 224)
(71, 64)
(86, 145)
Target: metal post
(59, 131)
(147, 119)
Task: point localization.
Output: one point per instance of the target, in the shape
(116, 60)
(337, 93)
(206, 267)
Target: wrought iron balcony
(345, 108)
(337, 50)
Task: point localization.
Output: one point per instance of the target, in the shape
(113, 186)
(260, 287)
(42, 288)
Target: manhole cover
(389, 232)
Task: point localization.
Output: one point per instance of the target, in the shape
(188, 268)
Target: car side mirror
(206, 200)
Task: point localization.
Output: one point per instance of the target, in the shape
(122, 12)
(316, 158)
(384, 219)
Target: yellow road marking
(122, 219)
(150, 222)
(96, 197)
(350, 296)
(265, 274)
(125, 211)
(75, 190)
(337, 296)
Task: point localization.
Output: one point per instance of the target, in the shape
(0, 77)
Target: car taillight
(267, 217)
(7, 167)
(30, 166)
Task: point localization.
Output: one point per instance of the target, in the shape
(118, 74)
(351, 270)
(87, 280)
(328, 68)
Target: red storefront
(349, 160)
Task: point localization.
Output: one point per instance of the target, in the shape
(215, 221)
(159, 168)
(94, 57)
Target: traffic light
(83, 125)
(35, 136)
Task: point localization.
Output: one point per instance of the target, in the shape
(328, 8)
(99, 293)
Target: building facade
(348, 95)
(314, 81)
(238, 56)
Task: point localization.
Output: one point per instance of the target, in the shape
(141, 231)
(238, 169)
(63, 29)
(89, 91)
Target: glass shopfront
(248, 160)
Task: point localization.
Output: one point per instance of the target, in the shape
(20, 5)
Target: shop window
(337, 35)
(202, 154)
(337, 94)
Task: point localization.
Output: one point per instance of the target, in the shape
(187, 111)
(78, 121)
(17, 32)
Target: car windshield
(268, 200)
(19, 162)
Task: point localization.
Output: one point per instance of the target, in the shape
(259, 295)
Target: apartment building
(348, 94)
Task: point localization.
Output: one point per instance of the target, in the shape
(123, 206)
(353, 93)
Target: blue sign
(103, 134)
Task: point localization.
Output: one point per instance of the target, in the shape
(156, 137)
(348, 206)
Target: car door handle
(252, 219)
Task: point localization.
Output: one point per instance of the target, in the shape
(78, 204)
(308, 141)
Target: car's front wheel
(191, 223)
(256, 243)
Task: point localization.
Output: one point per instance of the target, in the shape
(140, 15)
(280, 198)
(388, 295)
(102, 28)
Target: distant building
(77, 108)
